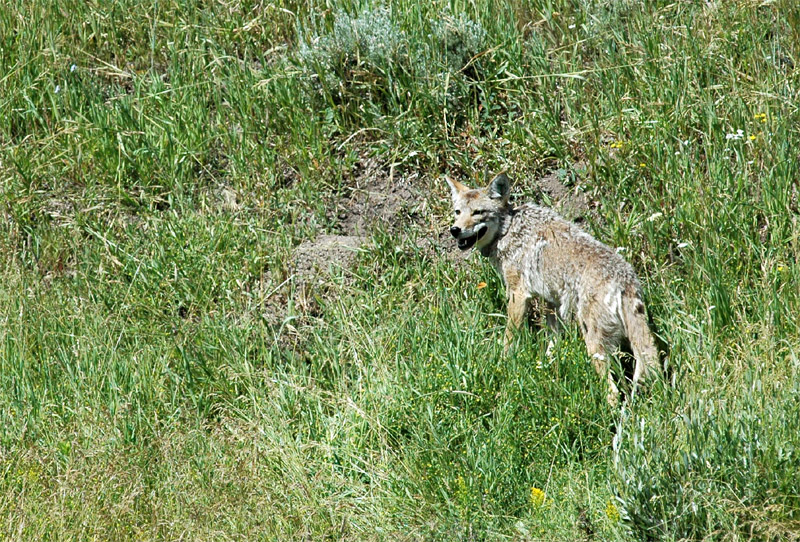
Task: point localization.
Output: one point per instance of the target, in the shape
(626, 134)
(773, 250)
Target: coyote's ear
(499, 187)
(455, 187)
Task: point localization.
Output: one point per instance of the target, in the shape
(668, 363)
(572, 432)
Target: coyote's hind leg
(598, 353)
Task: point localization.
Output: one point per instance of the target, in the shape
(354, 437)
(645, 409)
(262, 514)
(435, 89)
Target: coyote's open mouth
(467, 242)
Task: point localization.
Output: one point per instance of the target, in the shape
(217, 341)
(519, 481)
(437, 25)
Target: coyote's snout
(539, 253)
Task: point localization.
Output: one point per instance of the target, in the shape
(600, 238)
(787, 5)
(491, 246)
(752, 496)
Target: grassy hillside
(228, 310)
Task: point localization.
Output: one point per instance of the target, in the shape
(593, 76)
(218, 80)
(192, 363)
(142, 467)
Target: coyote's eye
(478, 212)
(458, 212)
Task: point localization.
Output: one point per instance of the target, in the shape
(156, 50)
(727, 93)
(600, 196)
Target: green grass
(159, 162)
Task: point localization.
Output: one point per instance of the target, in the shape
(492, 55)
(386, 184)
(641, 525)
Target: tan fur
(540, 254)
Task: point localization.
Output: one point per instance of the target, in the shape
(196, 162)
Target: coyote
(539, 253)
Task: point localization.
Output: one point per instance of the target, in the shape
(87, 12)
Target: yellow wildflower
(612, 512)
(537, 496)
(481, 285)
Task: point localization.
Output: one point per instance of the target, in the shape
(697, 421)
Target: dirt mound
(322, 255)
(374, 200)
(563, 188)
(377, 199)
(312, 263)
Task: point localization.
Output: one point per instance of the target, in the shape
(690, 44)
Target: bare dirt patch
(322, 255)
(374, 200)
(563, 188)
(378, 199)
(314, 260)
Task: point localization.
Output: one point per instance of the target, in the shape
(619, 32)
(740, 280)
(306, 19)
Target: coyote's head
(479, 212)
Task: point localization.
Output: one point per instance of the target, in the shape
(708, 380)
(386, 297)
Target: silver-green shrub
(366, 62)
(459, 38)
(362, 47)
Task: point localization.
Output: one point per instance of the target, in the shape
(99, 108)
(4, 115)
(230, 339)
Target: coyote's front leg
(519, 304)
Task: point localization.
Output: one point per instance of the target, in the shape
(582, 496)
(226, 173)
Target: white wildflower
(738, 135)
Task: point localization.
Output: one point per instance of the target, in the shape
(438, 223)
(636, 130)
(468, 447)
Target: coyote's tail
(634, 318)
